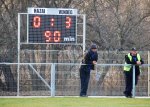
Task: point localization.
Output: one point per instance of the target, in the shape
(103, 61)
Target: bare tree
(117, 24)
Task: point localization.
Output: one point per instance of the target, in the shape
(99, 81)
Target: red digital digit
(52, 22)
(68, 22)
(57, 35)
(48, 36)
(36, 22)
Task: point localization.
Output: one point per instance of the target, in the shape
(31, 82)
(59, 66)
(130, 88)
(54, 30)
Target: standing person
(90, 59)
(135, 59)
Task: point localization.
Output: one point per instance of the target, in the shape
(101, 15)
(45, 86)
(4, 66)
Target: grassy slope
(74, 102)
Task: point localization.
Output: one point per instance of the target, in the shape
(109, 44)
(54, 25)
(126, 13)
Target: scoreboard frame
(52, 30)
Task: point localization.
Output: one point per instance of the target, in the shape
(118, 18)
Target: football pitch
(74, 102)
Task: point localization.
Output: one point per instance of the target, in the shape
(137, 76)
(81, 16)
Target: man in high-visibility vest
(132, 58)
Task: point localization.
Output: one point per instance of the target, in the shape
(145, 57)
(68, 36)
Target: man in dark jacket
(89, 60)
(132, 58)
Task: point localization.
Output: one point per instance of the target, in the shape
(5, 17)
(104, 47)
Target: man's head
(93, 48)
(133, 51)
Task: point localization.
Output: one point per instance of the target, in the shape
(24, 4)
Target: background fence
(33, 75)
(62, 79)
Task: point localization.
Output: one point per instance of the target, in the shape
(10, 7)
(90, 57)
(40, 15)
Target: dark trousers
(129, 82)
(84, 77)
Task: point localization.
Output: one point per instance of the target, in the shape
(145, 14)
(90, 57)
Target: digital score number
(49, 28)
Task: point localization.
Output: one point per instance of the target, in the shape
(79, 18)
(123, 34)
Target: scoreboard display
(52, 25)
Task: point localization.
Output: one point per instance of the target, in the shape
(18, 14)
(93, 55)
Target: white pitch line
(70, 96)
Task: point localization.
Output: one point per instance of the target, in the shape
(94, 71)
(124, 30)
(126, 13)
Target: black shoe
(130, 96)
(127, 95)
(83, 96)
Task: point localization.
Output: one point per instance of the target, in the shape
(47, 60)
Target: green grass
(74, 102)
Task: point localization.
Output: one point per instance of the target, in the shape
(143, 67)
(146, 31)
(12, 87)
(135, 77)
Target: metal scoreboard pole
(84, 32)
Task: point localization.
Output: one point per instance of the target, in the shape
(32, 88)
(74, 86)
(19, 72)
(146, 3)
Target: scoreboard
(52, 25)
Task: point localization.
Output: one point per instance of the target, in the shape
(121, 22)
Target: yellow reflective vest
(128, 67)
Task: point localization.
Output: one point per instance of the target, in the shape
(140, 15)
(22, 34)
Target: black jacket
(89, 57)
(127, 60)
